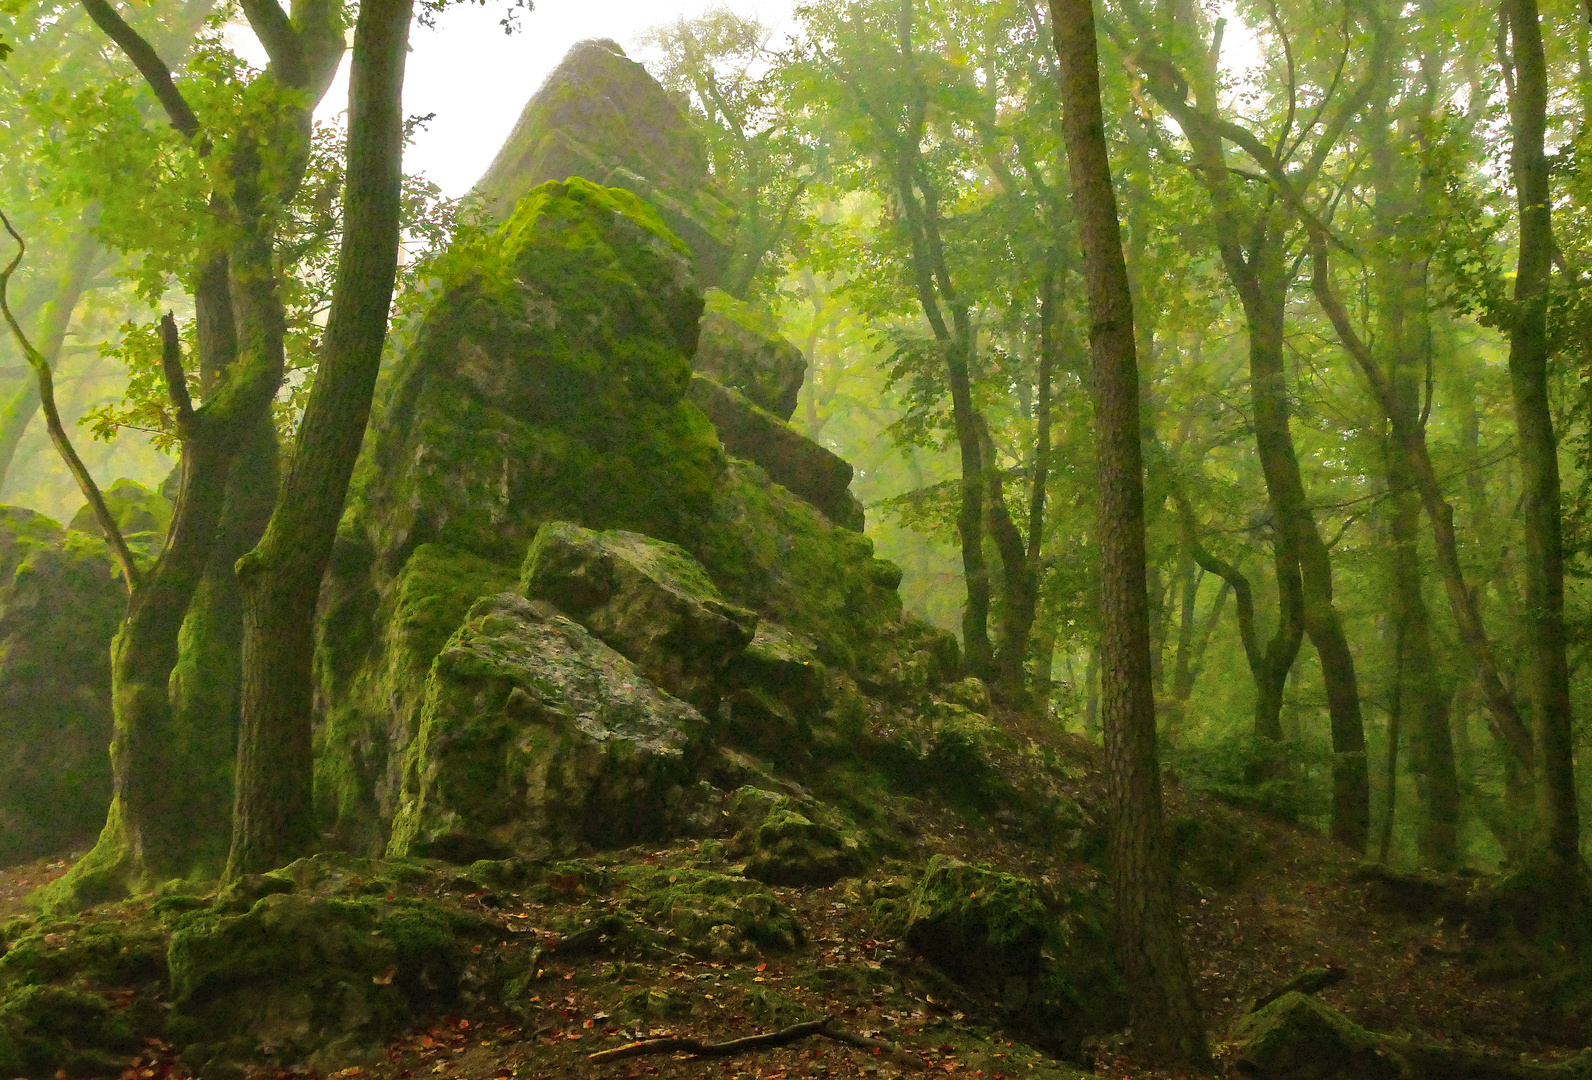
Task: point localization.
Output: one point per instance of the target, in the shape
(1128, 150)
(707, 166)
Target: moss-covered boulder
(142, 515)
(647, 599)
(791, 459)
(544, 380)
(702, 908)
(600, 116)
(741, 348)
(1045, 960)
(772, 552)
(787, 843)
(61, 599)
(1297, 1037)
(535, 737)
(300, 976)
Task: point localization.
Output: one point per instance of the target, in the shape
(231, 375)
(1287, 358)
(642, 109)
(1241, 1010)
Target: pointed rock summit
(601, 117)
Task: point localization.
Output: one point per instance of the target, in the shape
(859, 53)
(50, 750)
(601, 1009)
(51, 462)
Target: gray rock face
(61, 600)
(791, 460)
(537, 737)
(600, 116)
(648, 599)
(740, 348)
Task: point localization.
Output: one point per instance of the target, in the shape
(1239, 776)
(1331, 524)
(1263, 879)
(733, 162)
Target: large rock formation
(600, 116)
(545, 382)
(683, 603)
(61, 599)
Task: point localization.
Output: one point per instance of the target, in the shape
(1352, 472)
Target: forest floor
(1299, 903)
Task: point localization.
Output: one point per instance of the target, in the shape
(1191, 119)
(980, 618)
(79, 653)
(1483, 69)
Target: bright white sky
(476, 80)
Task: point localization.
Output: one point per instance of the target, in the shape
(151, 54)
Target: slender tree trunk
(1548, 671)
(1164, 1013)
(1298, 540)
(1091, 695)
(273, 816)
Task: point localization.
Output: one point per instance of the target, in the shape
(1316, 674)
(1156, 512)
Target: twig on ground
(768, 1040)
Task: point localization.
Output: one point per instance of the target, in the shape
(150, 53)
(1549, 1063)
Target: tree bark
(1164, 1013)
(273, 815)
(1548, 672)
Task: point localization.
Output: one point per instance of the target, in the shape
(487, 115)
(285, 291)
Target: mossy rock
(1045, 959)
(373, 659)
(806, 469)
(1297, 1037)
(54, 1030)
(543, 379)
(537, 737)
(61, 600)
(697, 904)
(783, 844)
(310, 978)
(141, 515)
(741, 348)
(648, 599)
(772, 552)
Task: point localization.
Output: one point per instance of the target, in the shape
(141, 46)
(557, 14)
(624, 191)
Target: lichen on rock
(535, 736)
(647, 599)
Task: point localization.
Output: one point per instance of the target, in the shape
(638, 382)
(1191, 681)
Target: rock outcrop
(600, 116)
(742, 348)
(688, 603)
(61, 599)
(546, 381)
(790, 458)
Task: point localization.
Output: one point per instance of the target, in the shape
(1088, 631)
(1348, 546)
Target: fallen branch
(769, 1040)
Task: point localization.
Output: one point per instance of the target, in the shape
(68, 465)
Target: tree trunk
(1164, 1014)
(1548, 673)
(1297, 536)
(273, 816)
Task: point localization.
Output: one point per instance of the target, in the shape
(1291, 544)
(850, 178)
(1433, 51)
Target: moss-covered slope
(61, 599)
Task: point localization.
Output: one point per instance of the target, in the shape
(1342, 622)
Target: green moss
(61, 600)
(1048, 959)
(694, 902)
(772, 552)
(48, 1030)
(784, 845)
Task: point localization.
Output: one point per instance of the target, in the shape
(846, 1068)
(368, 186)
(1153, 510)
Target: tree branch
(149, 65)
(52, 417)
